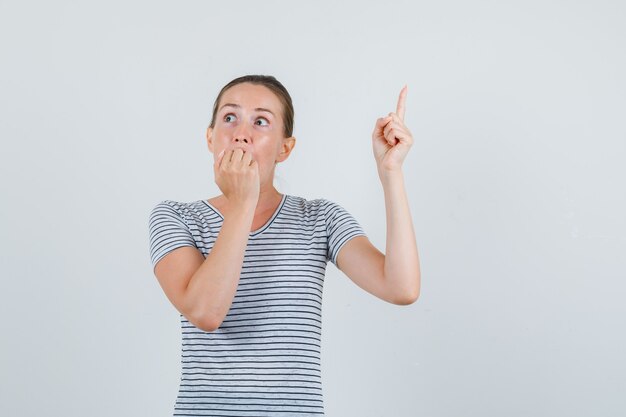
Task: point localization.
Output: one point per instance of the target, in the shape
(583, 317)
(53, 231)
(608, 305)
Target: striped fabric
(264, 360)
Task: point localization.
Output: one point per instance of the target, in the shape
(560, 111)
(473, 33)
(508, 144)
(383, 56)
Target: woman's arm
(401, 268)
(203, 289)
(394, 277)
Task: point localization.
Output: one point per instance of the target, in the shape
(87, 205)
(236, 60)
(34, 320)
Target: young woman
(245, 269)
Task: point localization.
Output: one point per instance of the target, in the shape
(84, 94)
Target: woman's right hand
(237, 176)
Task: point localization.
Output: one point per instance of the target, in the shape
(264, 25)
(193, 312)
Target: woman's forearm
(402, 269)
(212, 287)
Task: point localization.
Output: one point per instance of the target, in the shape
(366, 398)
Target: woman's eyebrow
(238, 106)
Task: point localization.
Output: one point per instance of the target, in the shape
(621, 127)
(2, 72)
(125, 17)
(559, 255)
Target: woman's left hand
(391, 139)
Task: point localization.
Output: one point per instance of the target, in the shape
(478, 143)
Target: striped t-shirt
(264, 359)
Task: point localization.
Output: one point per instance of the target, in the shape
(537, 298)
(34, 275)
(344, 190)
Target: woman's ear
(285, 148)
(209, 138)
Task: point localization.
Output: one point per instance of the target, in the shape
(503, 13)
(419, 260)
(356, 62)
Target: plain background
(515, 183)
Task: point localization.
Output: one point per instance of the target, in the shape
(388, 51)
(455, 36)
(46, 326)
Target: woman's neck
(268, 200)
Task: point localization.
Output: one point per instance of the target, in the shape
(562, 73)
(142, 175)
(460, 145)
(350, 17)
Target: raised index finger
(401, 103)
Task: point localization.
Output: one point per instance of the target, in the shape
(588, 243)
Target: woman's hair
(275, 86)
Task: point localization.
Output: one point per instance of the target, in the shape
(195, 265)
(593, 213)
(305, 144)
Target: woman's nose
(242, 134)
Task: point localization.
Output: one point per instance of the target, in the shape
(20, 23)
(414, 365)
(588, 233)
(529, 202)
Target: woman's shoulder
(318, 206)
(176, 205)
(196, 211)
(307, 203)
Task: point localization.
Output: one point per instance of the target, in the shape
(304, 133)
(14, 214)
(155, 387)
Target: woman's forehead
(251, 96)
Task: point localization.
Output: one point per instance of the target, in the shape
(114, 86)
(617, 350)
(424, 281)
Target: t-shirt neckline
(262, 228)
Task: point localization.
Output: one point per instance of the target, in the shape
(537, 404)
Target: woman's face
(249, 116)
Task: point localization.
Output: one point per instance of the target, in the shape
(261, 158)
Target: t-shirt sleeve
(168, 230)
(341, 226)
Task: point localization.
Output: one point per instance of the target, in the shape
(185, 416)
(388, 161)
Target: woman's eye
(231, 116)
(263, 119)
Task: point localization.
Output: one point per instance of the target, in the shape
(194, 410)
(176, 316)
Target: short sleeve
(341, 226)
(167, 230)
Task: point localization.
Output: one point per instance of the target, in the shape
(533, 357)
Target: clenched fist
(237, 176)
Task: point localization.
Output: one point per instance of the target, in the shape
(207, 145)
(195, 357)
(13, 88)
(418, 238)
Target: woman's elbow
(205, 322)
(407, 297)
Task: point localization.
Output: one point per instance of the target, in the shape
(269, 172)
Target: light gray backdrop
(515, 182)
